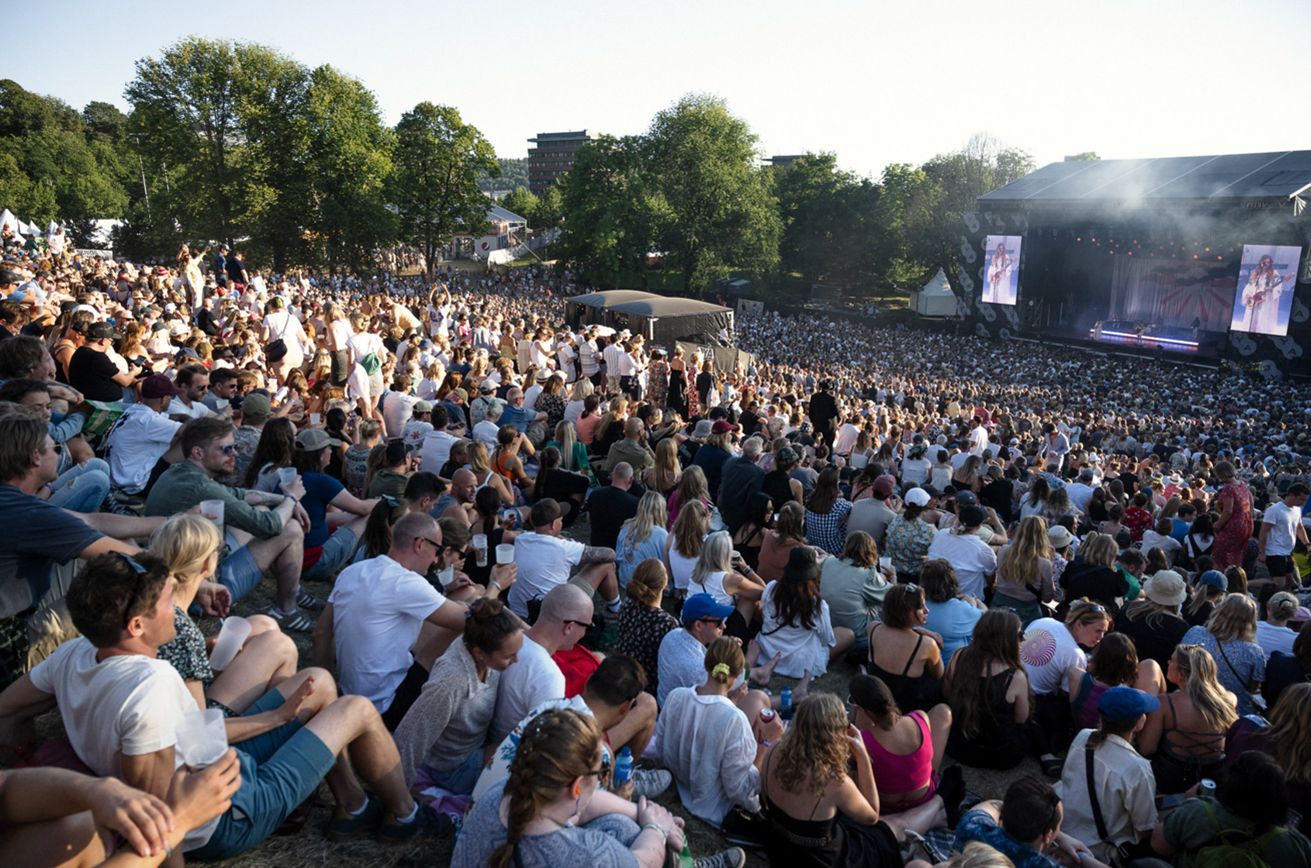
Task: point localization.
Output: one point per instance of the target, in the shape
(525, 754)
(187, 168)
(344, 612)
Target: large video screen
(1264, 297)
(1001, 269)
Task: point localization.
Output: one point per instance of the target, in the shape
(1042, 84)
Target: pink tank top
(898, 773)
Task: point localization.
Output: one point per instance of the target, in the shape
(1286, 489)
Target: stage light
(1078, 239)
(1208, 250)
(1194, 256)
(1219, 257)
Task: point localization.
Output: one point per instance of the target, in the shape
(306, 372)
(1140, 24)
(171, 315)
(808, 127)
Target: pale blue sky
(875, 82)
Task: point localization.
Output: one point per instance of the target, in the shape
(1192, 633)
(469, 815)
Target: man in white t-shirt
(193, 382)
(565, 616)
(143, 435)
(122, 709)
(386, 623)
(485, 431)
(978, 437)
(398, 406)
(974, 560)
(545, 557)
(1281, 530)
(437, 443)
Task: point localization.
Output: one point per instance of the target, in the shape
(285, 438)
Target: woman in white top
(574, 409)
(338, 333)
(683, 548)
(364, 386)
(279, 324)
(940, 475)
(712, 746)
(862, 452)
(916, 468)
(797, 623)
(715, 574)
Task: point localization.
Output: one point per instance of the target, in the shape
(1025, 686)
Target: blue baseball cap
(1126, 703)
(700, 606)
(1215, 579)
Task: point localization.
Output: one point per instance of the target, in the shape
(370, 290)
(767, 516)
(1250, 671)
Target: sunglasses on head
(136, 589)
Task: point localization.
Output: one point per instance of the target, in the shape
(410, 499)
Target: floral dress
(658, 383)
(1231, 540)
(187, 654)
(641, 629)
(907, 543)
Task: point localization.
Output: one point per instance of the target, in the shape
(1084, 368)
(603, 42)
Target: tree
(514, 173)
(550, 208)
(721, 203)
(435, 186)
(1086, 156)
(520, 201)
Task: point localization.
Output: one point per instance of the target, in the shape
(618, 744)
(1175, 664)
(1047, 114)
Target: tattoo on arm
(597, 555)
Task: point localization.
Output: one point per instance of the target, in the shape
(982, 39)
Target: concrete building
(553, 157)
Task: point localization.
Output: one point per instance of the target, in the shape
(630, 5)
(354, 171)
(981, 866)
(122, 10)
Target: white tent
(935, 299)
(7, 218)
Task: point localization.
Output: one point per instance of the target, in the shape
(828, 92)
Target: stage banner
(1171, 293)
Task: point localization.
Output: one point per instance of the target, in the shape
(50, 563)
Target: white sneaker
(650, 782)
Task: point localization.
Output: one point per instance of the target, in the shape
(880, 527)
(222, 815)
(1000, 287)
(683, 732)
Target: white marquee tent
(935, 298)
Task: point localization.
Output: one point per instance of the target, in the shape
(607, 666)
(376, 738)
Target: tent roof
(658, 305)
(938, 285)
(495, 214)
(1229, 177)
(610, 297)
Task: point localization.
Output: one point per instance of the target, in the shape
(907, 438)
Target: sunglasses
(136, 589)
(585, 625)
(603, 773)
(718, 622)
(230, 449)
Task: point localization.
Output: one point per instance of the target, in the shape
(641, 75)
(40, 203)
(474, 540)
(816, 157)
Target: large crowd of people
(548, 572)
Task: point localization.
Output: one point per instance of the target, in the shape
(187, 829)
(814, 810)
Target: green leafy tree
(1086, 156)
(520, 201)
(514, 173)
(550, 208)
(435, 184)
(722, 209)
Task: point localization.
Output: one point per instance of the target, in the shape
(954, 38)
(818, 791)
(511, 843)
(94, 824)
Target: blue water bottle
(623, 767)
(785, 704)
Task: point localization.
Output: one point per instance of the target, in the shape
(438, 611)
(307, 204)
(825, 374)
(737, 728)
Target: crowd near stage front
(1199, 258)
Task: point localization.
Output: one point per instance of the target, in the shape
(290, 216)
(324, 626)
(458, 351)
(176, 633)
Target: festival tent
(7, 218)
(590, 309)
(935, 299)
(664, 320)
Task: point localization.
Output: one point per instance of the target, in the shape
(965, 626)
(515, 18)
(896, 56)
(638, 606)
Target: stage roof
(1220, 180)
(664, 306)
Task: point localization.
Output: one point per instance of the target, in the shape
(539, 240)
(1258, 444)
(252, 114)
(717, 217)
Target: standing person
(676, 398)
(1281, 530)
(280, 325)
(1234, 527)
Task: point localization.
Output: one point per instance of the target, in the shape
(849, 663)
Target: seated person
(1023, 827)
(545, 557)
(189, 546)
(560, 771)
(331, 537)
(1250, 809)
(444, 733)
(121, 708)
(710, 745)
(1114, 662)
(262, 541)
(612, 696)
(899, 653)
(1123, 780)
(385, 623)
(48, 815)
(682, 655)
(797, 629)
(1185, 737)
(905, 751)
(988, 692)
(819, 817)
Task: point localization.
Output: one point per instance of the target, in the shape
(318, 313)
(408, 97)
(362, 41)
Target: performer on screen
(1261, 296)
(999, 274)
(1097, 330)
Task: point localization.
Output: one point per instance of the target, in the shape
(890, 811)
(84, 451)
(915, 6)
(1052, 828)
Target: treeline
(232, 141)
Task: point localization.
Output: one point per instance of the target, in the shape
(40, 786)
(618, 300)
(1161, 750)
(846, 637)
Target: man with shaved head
(386, 623)
(632, 449)
(565, 616)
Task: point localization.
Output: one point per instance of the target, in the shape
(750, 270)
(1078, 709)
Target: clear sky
(875, 82)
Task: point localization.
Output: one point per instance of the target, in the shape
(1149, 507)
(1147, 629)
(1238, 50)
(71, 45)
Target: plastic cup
(505, 554)
(480, 548)
(314, 419)
(286, 475)
(235, 632)
(214, 508)
(885, 563)
(201, 738)
(446, 576)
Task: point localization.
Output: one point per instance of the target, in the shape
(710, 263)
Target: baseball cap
(971, 516)
(98, 331)
(917, 497)
(257, 404)
(311, 439)
(884, 485)
(722, 427)
(546, 511)
(1215, 579)
(159, 386)
(700, 606)
(422, 407)
(965, 497)
(1126, 703)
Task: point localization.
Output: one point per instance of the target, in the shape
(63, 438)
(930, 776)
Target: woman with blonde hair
(1287, 738)
(573, 455)
(189, 545)
(1024, 571)
(480, 463)
(610, 429)
(1230, 638)
(1185, 737)
(641, 537)
(716, 574)
(554, 808)
(577, 395)
(665, 474)
(710, 744)
(819, 816)
(683, 546)
(1096, 578)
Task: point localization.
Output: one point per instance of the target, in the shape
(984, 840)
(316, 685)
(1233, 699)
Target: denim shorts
(279, 770)
(239, 573)
(337, 552)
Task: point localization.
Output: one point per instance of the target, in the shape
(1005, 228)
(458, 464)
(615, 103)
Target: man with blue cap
(1121, 783)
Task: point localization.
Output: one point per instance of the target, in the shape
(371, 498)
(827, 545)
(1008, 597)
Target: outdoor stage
(1198, 258)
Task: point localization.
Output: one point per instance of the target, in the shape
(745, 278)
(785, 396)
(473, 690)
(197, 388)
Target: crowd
(563, 568)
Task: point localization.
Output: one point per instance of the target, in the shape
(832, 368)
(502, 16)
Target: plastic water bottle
(623, 767)
(785, 704)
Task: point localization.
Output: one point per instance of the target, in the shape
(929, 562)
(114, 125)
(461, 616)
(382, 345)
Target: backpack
(1234, 848)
